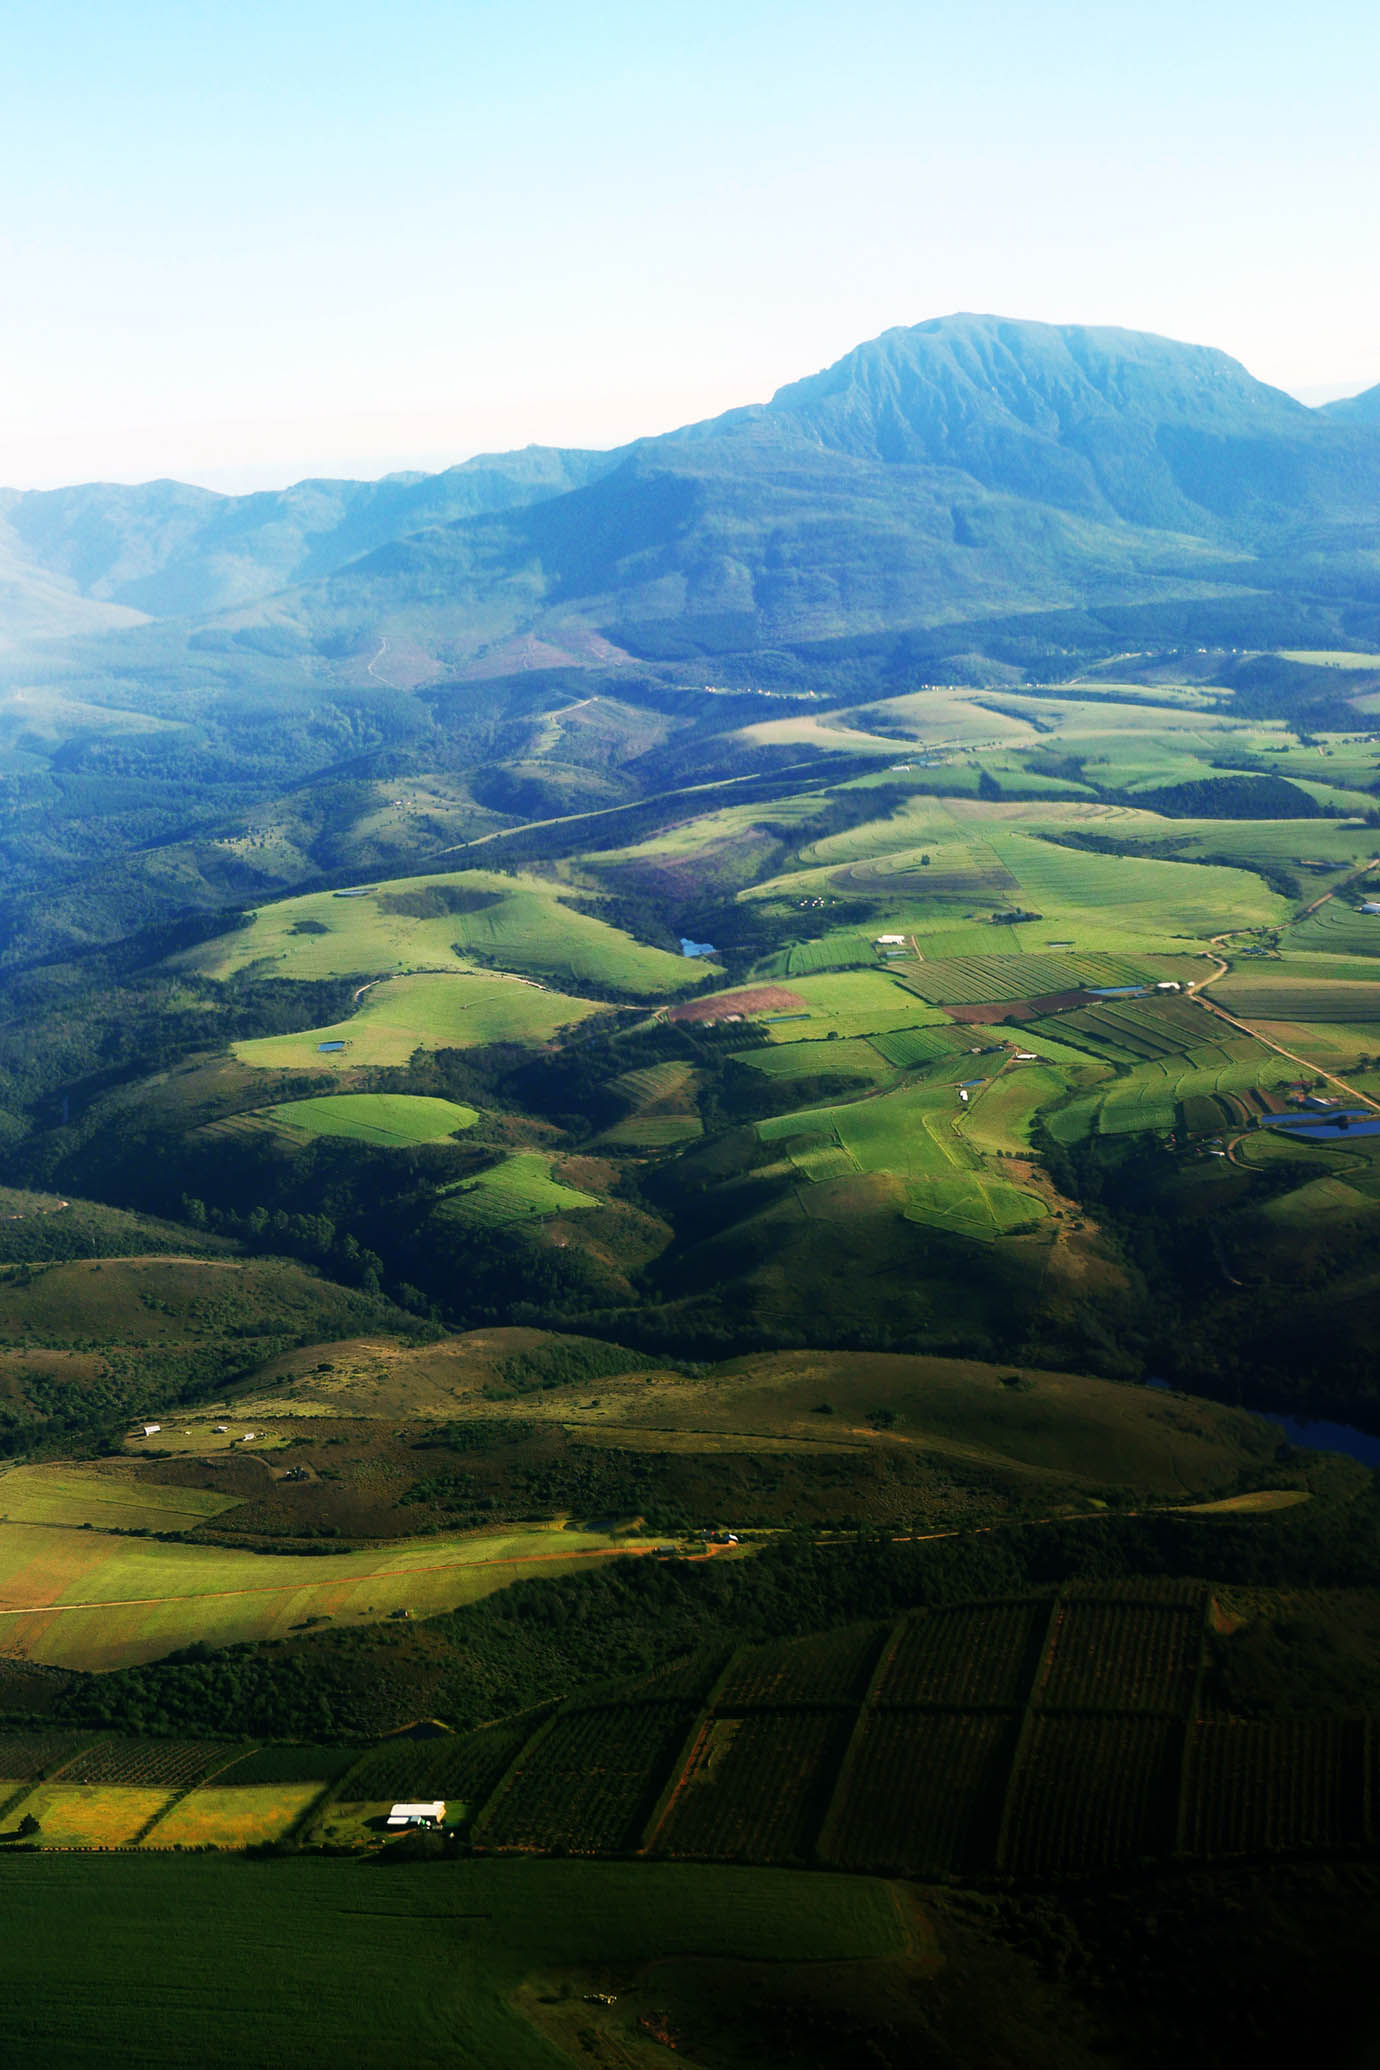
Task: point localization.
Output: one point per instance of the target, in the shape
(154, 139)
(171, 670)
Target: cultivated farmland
(444, 923)
(388, 1121)
(395, 1018)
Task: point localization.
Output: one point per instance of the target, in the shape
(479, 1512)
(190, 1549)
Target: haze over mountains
(965, 469)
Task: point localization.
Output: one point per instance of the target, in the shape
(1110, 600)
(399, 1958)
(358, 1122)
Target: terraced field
(519, 1189)
(388, 1121)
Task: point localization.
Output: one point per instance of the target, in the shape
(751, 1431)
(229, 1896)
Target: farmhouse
(890, 941)
(148, 1429)
(417, 1814)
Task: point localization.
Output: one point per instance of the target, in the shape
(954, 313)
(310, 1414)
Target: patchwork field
(919, 1132)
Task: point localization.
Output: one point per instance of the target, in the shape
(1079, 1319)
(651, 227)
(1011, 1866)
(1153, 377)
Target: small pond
(1319, 1436)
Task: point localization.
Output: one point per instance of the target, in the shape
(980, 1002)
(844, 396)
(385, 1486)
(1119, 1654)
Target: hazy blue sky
(241, 242)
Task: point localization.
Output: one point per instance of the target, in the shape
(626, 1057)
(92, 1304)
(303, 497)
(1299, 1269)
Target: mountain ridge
(933, 473)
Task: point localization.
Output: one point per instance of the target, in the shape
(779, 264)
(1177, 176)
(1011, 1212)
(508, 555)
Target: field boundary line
(1304, 1063)
(827, 1836)
(1015, 1773)
(200, 1783)
(17, 1797)
(702, 1720)
(541, 1730)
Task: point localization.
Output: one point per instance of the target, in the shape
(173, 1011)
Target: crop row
(1091, 1792)
(172, 1764)
(465, 1768)
(287, 1764)
(1110, 1657)
(755, 1788)
(966, 1656)
(923, 1792)
(1304, 1001)
(26, 1756)
(906, 1046)
(964, 980)
(1255, 1788)
(589, 1781)
(833, 1667)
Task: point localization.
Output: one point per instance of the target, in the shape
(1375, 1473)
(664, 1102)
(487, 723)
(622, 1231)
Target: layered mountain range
(963, 470)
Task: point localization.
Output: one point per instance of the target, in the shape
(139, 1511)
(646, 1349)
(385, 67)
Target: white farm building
(416, 1814)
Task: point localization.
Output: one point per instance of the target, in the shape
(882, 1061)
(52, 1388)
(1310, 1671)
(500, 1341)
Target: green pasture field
(1336, 929)
(387, 1120)
(918, 1133)
(1105, 904)
(1317, 1197)
(103, 1496)
(148, 1958)
(1333, 1043)
(516, 1190)
(1114, 903)
(401, 1015)
(664, 1113)
(1003, 1117)
(1148, 1095)
(1273, 994)
(653, 1131)
(439, 923)
(827, 952)
(849, 1057)
(961, 980)
(81, 1598)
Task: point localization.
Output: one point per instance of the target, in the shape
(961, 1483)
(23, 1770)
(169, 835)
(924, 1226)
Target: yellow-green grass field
(91, 1814)
(232, 1816)
(103, 1496)
(389, 1121)
(395, 1018)
(438, 923)
(81, 1598)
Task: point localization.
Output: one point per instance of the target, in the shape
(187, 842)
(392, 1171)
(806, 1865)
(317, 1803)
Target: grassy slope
(523, 924)
(1064, 1428)
(76, 1597)
(430, 1012)
(388, 1120)
(149, 1960)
